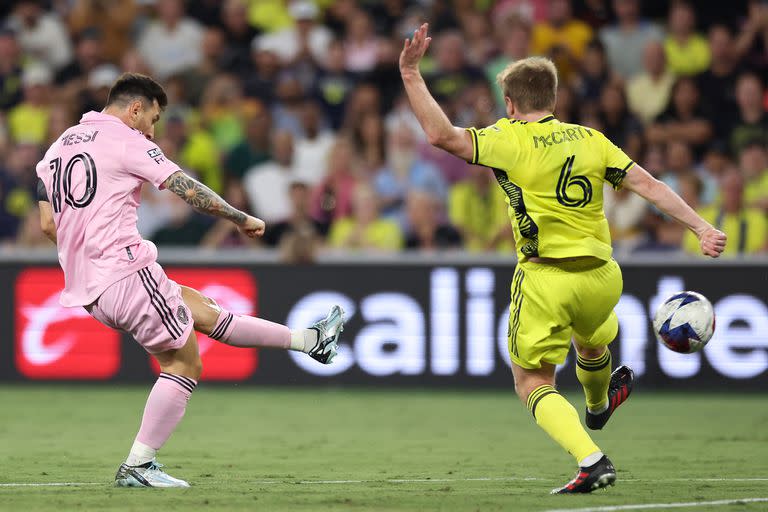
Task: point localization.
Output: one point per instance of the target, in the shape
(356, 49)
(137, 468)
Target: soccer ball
(685, 322)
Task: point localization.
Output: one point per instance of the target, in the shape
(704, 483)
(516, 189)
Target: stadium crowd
(294, 111)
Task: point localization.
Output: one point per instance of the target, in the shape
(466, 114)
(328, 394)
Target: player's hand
(252, 227)
(414, 49)
(712, 242)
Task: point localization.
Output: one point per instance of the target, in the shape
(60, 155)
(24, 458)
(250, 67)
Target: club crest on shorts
(181, 314)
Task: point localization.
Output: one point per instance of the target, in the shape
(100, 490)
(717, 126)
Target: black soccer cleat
(619, 390)
(599, 475)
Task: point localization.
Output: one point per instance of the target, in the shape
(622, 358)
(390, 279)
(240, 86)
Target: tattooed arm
(205, 200)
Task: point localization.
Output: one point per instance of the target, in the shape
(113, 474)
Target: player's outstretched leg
(320, 340)
(560, 420)
(165, 407)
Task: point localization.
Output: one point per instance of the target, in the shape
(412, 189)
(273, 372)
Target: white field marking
(50, 484)
(646, 506)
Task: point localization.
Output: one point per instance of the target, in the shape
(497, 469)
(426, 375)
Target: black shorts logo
(181, 314)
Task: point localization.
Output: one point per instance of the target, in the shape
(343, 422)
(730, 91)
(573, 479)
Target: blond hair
(530, 83)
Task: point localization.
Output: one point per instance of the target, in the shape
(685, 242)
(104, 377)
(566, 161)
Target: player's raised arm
(440, 132)
(205, 200)
(638, 180)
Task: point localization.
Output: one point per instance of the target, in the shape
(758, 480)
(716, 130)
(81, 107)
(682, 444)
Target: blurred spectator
(361, 45)
(684, 120)
(514, 39)
(332, 198)
(476, 207)
(648, 92)
(288, 105)
(28, 121)
(197, 149)
(312, 148)
(368, 139)
(404, 171)
(299, 223)
(566, 103)
(94, 94)
(333, 84)
(475, 28)
(718, 83)
(562, 38)
(679, 163)
(452, 73)
(254, 149)
(364, 229)
(61, 119)
(223, 107)
(196, 80)
(133, 62)
(239, 35)
(10, 69)
(269, 15)
(262, 81)
(224, 233)
(752, 42)
(41, 34)
(114, 19)
(17, 196)
(185, 226)
(751, 120)
(172, 43)
(619, 125)
(753, 162)
(594, 74)
(626, 39)
(687, 51)
(426, 230)
(625, 212)
(266, 184)
(306, 39)
(746, 228)
(711, 168)
(89, 54)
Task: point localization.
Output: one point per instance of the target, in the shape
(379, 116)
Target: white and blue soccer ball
(685, 322)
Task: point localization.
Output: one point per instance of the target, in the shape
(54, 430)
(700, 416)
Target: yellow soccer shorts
(551, 303)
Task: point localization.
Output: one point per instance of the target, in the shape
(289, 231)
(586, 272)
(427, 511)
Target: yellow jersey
(553, 174)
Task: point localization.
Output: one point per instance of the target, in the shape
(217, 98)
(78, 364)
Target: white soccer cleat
(146, 475)
(328, 331)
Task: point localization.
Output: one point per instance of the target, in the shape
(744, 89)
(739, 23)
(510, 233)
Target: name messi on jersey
(560, 136)
(77, 138)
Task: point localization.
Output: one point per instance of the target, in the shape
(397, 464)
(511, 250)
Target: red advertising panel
(235, 291)
(54, 342)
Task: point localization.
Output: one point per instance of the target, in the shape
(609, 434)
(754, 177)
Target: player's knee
(205, 318)
(590, 352)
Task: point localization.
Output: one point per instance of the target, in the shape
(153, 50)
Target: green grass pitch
(249, 448)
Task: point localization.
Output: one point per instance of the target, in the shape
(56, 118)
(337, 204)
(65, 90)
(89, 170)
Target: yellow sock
(595, 375)
(560, 420)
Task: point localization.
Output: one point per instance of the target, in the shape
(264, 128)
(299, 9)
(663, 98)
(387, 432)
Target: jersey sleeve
(617, 163)
(146, 161)
(495, 146)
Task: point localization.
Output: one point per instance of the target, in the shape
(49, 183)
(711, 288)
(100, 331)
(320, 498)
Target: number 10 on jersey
(62, 182)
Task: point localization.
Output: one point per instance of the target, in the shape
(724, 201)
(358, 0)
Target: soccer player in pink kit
(89, 187)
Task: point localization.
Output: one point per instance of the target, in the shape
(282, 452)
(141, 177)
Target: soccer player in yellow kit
(566, 284)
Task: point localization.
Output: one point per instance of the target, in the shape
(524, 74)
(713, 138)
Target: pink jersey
(93, 176)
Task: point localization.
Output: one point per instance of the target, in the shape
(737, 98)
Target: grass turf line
(246, 449)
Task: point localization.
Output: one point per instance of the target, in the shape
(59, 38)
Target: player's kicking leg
(319, 341)
(558, 418)
(604, 391)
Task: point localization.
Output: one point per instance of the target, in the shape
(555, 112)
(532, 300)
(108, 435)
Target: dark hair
(135, 85)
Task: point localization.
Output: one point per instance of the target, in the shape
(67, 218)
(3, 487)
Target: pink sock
(248, 331)
(165, 407)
